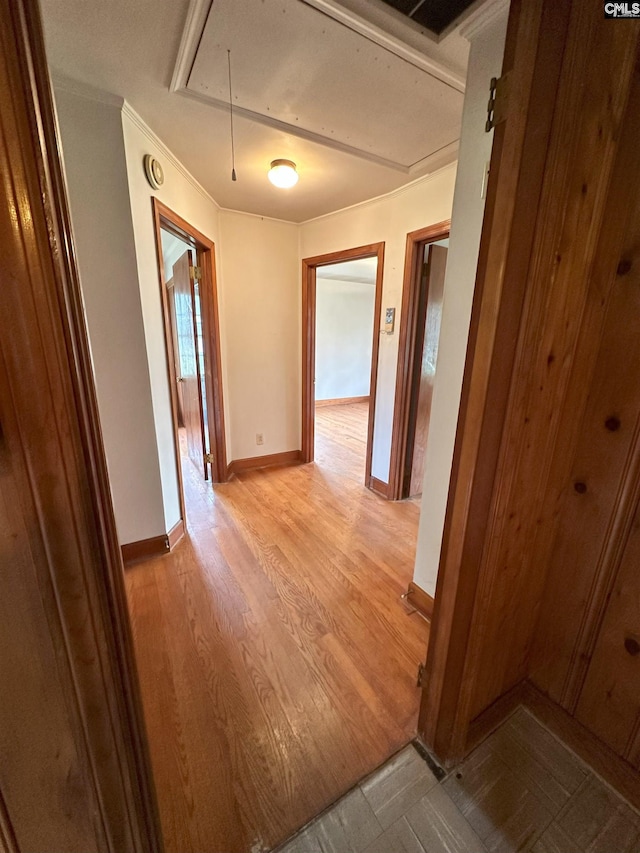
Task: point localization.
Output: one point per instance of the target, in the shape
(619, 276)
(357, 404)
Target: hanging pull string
(233, 153)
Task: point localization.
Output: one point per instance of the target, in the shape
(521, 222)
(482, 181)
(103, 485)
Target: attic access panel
(435, 15)
(305, 72)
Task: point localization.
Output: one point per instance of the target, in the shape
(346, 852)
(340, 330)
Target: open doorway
(342, 296)
(345, 313)
(186, 267)
(423, 288)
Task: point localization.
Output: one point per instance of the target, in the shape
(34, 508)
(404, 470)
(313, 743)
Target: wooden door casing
(429, 317)
(309, 266)
(407, 346)
(559, 200)
(165, 218)
(76, 775)
(171, 300)
(190, 378)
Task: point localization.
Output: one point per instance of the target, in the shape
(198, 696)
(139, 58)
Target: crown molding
(236, 212)
(425, 179)
(140, 123)
(480, 18)
(62, 83)
(437, 159)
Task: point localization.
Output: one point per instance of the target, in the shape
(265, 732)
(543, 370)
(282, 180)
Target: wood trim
(8, 840)
(172, 379)
(420, 599)
(309, 266)
(270, 460)
(615, 770)
(145, 549)
(48, 378)
(156, 546)
(493, 716)
(175, 534)
(378, 487)
(163, 216)
(416, 241)
(533, 54)
(213, 361)
(341, 401)
(308, 360)
(373, 390)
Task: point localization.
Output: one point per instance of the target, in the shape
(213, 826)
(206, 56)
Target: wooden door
(171, 300)
(428, 319)
(74, 771)
(189, 360)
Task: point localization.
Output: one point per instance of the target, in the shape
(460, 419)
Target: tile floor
(520, 790)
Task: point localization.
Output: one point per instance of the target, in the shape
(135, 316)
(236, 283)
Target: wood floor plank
(277, 663)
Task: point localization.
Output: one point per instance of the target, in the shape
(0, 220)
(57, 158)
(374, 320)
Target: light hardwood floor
(276, 659)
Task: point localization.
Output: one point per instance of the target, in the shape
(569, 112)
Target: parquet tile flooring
(521, 790)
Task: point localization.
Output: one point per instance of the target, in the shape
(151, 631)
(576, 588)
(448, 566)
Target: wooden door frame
(163, 216)
(416, 241)
(80, 576)
(534, 49)
(309, 267)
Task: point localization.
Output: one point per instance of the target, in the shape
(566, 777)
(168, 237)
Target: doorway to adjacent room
(186, 269)
(345, 308)
(342, 297)
(423, 288)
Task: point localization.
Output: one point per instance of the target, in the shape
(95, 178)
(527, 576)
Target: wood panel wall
(535, 580)
(74, 770)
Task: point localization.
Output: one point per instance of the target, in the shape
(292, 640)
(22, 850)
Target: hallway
(276, 660)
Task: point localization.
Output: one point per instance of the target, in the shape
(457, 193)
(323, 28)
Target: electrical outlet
(259, 438)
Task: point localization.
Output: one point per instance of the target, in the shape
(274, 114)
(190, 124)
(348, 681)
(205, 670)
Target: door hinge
(208, 458)
(498, 101)
(420, 678)
(195, 273)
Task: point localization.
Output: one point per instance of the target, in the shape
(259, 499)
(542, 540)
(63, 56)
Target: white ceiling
(361, 100)
(333, 84)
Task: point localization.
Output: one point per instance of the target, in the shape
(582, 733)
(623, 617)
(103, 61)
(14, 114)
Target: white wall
(261, 283)
(485, 61)
(259, 290)
(387, 219)
(94, 156)
(344, 328)
(183, 195)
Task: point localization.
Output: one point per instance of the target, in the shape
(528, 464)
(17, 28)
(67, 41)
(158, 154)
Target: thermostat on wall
(154, 171)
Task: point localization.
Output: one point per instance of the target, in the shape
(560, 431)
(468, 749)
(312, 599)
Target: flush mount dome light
(283, 174)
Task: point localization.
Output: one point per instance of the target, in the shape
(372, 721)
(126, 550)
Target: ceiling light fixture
(283, 174)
